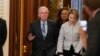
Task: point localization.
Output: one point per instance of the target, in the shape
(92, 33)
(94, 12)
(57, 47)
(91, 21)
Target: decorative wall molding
(1, 8)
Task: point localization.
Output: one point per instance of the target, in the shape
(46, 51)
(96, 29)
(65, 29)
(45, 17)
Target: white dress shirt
(69, 35)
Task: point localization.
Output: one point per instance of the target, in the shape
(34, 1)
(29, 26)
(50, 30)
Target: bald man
(43, 35)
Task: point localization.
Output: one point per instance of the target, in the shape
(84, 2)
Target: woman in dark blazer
(62, 17)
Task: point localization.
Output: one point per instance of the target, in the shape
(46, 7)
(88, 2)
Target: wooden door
(29, 13)
(22, 13)
(14, 28)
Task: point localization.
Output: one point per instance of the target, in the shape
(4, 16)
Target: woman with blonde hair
(69, 40)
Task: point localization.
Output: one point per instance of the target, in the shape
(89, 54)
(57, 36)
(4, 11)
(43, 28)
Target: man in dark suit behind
(3, 34)
(43, 44)
(92, 7)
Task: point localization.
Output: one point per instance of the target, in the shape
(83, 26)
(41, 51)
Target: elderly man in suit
(92, 7)
(3, 34)
(43, 35)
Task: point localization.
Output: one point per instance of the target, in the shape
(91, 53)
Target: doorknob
(24, 48)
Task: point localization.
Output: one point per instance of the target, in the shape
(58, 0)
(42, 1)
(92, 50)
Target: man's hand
(76, 54)
(31, 37)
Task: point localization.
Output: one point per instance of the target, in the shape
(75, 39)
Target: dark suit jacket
(93, 41)
(39, 44)
(3, 34)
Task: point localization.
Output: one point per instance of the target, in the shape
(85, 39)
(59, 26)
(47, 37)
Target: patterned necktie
(43, 30)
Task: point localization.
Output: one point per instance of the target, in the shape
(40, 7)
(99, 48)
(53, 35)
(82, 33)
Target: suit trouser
(70, 52)
(44, 53)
